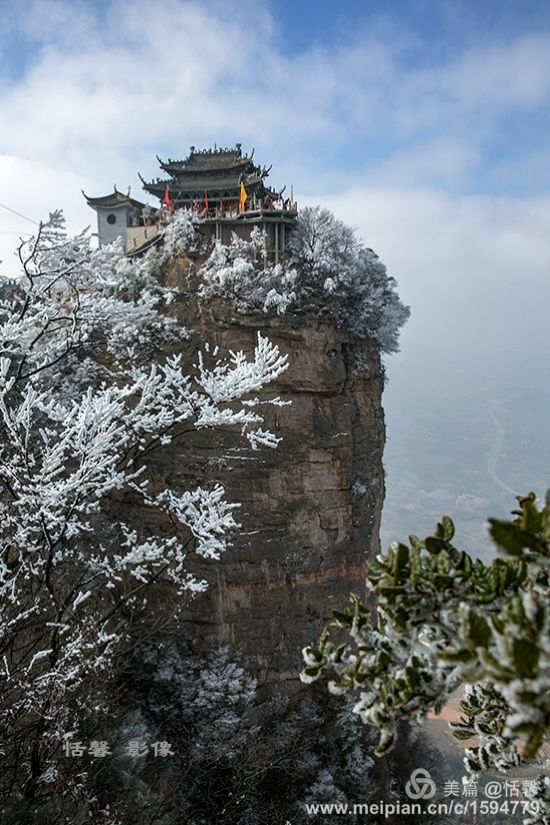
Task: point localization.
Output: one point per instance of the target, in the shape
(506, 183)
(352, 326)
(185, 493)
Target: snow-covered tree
(243, 755)
(443, 621)
(91, 384)
(327, 273)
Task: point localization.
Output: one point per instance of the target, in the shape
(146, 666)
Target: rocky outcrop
(310, 509)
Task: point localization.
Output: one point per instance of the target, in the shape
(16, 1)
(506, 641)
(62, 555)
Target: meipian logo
(420, 785)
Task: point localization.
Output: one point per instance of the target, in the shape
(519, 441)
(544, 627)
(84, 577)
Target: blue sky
(366, 91)
(442, 28)
(425, 124)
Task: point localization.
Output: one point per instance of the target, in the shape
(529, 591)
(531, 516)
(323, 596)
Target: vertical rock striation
(310, 509)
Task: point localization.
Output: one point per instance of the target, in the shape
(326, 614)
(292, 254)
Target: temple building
(120, 216)
(225, 189)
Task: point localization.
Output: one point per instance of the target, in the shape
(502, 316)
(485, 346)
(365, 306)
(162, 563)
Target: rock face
(310, 509)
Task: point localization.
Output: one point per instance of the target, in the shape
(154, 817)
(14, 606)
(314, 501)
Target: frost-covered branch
(88, 390)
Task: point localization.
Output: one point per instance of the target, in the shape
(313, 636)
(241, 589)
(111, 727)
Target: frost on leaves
(444, 620)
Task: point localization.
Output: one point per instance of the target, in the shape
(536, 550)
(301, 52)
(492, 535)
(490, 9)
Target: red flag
(166, 200)
(206, 201)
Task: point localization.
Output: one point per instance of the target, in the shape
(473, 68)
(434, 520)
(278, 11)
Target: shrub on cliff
(328, 272)
(241, 757)
(444, 620)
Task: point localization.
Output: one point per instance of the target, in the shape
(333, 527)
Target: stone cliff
(310, 509)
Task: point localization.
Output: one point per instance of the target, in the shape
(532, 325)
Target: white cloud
(34, 189)
(443, 161)
(107, 90)
(137, 75)
(474, 268)
(515, 74)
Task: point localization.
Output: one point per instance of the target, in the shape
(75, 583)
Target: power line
(15, 212)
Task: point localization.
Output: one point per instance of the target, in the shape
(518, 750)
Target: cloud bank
(408, 145)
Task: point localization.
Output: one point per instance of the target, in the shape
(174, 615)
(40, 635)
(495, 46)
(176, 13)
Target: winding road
(496, 451)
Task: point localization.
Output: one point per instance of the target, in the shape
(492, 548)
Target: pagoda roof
(218, 172)
(208, 161)
(116, 198)
(200, 184)
(189, 192)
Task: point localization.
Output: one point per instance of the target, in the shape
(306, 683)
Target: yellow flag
(243, 198)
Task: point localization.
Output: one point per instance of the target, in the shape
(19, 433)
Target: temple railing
(233, 212)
